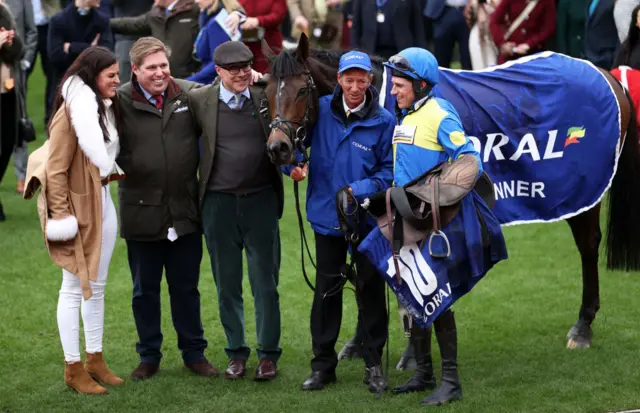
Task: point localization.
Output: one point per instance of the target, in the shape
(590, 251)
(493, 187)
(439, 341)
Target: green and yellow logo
(574, 134)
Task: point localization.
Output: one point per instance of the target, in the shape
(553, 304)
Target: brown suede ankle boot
(97, 368)
(76, 378)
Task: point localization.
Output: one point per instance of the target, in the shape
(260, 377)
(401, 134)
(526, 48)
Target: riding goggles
(402, 64)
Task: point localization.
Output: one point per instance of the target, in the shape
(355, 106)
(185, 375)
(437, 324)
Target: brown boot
(76, 377)
(97, 368)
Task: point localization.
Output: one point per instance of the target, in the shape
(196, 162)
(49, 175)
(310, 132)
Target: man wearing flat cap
(241, 200)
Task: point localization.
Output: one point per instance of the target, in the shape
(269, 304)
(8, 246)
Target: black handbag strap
(21, 92)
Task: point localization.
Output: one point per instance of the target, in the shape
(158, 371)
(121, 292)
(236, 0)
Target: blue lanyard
(381, 3)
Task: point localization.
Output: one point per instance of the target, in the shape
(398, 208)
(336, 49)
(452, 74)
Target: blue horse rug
(431, 285)
(547, 128)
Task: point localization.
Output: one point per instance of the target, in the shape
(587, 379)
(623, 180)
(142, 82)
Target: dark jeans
(326, 313)
(7, 129)
(181, 260)
(250, 222)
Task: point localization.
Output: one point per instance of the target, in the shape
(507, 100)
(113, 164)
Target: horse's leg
(352, 348)
(587, 234)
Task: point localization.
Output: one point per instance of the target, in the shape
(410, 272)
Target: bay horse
(297, 79)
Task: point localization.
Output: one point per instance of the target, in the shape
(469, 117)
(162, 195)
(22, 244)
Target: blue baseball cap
(354, 60)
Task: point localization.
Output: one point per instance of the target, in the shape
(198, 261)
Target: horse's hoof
(407, 363)
(349, 351)
(579, 336)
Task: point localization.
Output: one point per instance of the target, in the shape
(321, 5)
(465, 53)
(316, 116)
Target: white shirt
(38, 14)
(354, 110)
(171, 6)
(456, 3)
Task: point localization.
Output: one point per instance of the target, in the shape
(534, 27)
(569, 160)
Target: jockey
(429, 132)
(351, 150)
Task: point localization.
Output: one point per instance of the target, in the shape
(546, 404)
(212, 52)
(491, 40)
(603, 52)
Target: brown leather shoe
(97, 368)
(266, 370)
(235, 369)
(203, 368)
(144, 371)
(77, 378)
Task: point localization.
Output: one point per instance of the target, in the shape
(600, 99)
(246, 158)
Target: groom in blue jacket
(350, 149)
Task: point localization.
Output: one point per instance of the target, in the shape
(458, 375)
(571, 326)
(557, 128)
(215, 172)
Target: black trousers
(447, 30)
(47, 68)
(326, 313)
(8, 126)
(181, 260)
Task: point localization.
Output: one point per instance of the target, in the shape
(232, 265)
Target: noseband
(295, 130)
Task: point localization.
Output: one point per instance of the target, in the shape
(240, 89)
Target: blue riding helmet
(416, 63)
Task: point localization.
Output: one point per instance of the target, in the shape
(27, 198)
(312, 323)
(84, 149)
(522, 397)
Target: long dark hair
(626, 56)
(87, 67)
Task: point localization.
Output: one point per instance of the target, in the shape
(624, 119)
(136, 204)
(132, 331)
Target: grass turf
(512, 330)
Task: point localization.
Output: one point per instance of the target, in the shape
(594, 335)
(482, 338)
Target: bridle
(295, 130)
(349, 223)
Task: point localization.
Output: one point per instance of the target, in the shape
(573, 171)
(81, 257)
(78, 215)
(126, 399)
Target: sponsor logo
(361, 146)
(573, 135)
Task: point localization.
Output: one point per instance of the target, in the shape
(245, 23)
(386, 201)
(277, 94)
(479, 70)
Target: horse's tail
(623, 226)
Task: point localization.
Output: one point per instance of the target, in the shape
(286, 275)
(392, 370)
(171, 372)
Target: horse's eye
(302, 92)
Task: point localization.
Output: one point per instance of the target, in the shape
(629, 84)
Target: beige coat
(316, 17)
(67, 167)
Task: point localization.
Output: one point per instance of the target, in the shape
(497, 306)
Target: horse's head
(292, 97)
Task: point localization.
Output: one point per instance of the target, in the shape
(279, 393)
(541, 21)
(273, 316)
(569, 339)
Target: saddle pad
(430, 286)
(547, 127)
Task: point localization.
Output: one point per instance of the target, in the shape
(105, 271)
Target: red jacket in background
(630, 79)
(535, 30)
(270, 14)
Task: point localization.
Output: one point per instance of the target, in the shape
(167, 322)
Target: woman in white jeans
(80, 222)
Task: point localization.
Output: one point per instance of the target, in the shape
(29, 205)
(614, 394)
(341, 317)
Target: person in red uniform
(268, 15)
(530, 35)
(626, 67)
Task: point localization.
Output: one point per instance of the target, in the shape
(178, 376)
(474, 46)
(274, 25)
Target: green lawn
(512, 331)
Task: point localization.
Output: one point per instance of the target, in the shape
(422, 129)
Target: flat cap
(232, 53)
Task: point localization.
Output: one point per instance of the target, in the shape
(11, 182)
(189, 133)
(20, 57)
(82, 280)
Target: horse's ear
(267, 51)
(302, 52)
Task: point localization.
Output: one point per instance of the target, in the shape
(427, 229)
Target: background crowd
(477, 33)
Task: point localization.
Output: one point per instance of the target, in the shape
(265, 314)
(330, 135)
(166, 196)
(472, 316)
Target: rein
(296, 131)
(349, 222)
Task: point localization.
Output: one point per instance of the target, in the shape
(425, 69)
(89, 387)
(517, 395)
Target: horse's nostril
(284, 147)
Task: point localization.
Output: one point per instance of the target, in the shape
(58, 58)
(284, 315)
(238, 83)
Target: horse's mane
(323, 65)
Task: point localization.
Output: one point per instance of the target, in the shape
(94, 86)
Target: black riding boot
(2, 217)
(450, 388)
(408, 359)
(423, 377)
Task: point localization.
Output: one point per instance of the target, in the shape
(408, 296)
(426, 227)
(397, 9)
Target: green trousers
(232, 224)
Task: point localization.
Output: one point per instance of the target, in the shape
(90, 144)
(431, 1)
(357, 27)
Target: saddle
(421, 208)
